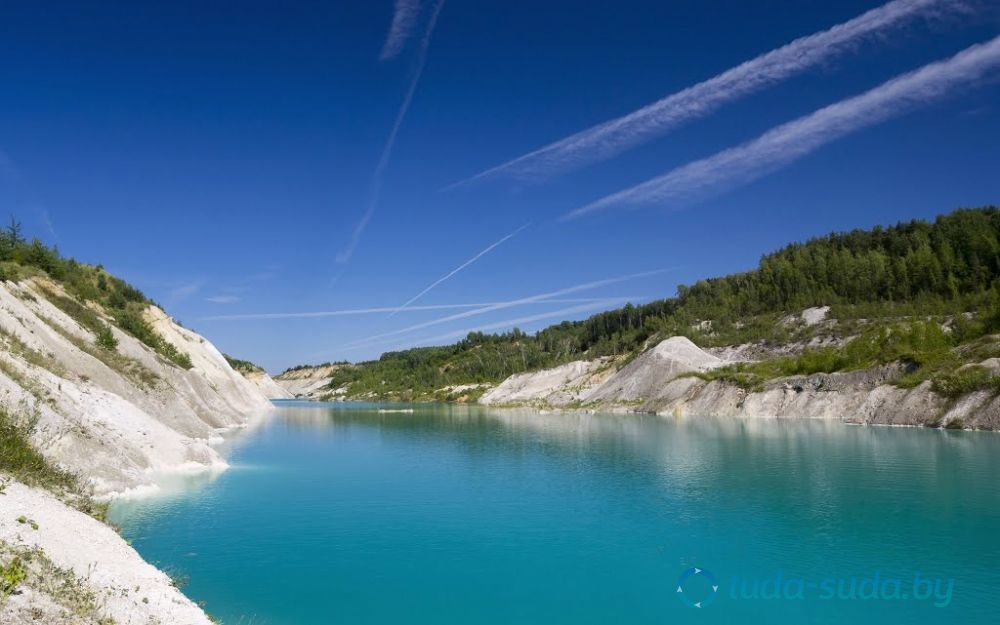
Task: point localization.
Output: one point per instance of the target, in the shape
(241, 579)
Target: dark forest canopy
(950, 265)
(942, 267)
(957, 253)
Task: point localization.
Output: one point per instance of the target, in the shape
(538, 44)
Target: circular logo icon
(696, 587)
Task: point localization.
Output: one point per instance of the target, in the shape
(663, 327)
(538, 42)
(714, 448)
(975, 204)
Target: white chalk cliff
(307, 382)
(117, 418)
(594, 381)
(660, 381)
(121, 585)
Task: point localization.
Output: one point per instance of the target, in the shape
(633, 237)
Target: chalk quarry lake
(340, 513)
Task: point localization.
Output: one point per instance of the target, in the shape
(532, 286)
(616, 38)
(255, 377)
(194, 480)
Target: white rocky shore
(120, 584)
(117, 419)
(307, 382)
(660, 381)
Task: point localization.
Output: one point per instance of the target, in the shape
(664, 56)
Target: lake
(340, 513)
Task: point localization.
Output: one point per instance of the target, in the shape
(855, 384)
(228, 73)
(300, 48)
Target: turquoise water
(451, 515)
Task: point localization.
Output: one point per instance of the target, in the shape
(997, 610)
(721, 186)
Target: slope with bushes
(100, 391)
(881, 284)
(107, 385)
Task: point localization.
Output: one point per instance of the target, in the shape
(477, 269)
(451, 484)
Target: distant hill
(940, 268)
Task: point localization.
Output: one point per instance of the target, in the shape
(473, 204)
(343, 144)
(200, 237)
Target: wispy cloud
(454, 271)
(49, 225)
(789, 142)
(562, 313)
(404, 17)
(541, 297)
(184, 291)
(615, 136)
(223, 299)
(22, 197)
(376, 182)
(269, 272)
(346, 312)
(232, 294)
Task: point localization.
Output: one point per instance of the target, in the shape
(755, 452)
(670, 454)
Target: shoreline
(620, 409)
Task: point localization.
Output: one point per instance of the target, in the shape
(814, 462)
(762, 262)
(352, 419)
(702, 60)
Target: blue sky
(221, 155)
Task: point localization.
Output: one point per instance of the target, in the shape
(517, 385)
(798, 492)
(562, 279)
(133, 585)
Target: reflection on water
(465, 514)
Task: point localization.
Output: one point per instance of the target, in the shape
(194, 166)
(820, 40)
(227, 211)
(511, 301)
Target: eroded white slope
(307, 382)
(116, 418)
(267, 385)
(597, 380)
(649, 373)
(126, 588)
(558, 386)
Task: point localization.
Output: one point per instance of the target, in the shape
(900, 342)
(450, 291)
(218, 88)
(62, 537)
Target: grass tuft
(20, 460)
(72, 598)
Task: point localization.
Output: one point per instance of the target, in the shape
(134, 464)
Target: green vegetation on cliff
(418, 373)
(922, 346)
(874, 280)
(322, 365)
(242, 366)
(20, 259)
(20, 460)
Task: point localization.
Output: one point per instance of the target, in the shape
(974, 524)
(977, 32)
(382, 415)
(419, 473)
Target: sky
(313, 181)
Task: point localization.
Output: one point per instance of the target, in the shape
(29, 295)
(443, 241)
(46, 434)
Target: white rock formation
(307, 382)
(808, 317)
(126, 588)
(644, 377)
(267, 385)
(598, 381)
(654, 383)
(558, 386)
(116, 417)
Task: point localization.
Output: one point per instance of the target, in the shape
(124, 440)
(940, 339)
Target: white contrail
(509, 323)
(789, 142)
(508, 304)
(459, 268)
(383, 161)
(404, 16)
(618, 135)
(345, 312)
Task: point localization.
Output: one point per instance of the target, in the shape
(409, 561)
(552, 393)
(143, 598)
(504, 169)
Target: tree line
(946, 266)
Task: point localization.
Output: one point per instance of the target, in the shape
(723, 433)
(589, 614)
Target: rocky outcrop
(559, 386)
(116, 416)
(116, 413)
(660, 381)
(79, 570)
(808, 317)
(598, 382)
(267, 385)
(652, 370)
(862, 397)
(308, 382)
